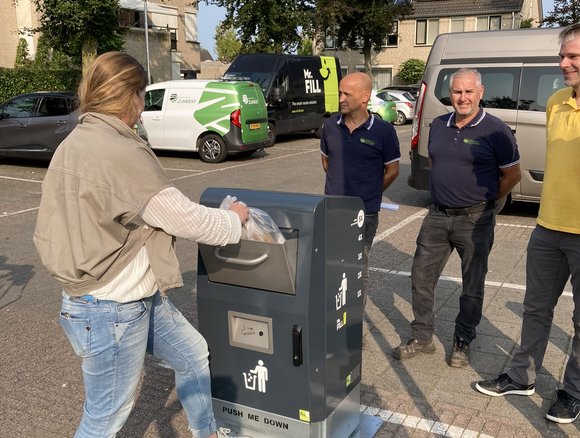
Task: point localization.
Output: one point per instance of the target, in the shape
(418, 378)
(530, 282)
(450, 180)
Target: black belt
(477, 208)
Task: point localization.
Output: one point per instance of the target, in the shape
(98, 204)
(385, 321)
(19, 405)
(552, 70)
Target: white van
(214, 118)
(519, 69)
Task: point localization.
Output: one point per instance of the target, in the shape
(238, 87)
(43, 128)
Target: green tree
(43, 55)
(81, 27)
(227, 45)
(412, 70)
(266, 26)
(565, 13)
(48, 58)
(306, 47)
(527, 24)
(361, 25)
(22, 54)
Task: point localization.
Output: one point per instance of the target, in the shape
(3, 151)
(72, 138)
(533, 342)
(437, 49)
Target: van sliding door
(539, 82)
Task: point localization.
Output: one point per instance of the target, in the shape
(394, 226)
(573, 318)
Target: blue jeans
(112, 339)
(553, 257)
(472, 236)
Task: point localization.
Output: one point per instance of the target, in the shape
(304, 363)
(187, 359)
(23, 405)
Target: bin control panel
(251, 332)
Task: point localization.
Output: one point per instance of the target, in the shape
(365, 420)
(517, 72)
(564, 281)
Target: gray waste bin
(284, 321)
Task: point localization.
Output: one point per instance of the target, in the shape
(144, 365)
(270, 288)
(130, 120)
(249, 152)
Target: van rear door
(253, 112)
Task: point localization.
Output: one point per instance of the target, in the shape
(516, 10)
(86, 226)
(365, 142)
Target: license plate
(255, 125)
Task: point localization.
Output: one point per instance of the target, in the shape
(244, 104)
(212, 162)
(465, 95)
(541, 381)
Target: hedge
(14, 81)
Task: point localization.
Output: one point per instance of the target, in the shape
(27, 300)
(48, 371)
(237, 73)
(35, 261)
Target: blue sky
(209, 16)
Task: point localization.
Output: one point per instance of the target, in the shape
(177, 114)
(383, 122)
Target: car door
(14, 121)
(50, 124)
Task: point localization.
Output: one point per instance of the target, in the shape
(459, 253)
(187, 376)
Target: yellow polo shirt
(560, 203)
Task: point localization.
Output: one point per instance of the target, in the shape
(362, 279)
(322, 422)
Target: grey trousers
(553, 257)
(370, 229)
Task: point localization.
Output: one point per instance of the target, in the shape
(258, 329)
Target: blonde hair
(110, 83)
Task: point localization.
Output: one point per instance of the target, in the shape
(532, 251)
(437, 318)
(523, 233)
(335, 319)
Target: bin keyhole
(261, 333)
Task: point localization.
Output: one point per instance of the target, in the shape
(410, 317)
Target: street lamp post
(147, 42)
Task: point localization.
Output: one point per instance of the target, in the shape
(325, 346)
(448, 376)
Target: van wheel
(212, 149)
(271, 135)
(401, 119)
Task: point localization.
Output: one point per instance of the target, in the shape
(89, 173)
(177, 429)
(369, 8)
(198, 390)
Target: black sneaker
(412, 348)
(460, 354)
(504, 385)
(565, 409)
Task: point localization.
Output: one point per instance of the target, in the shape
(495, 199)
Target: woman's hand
(241, 210)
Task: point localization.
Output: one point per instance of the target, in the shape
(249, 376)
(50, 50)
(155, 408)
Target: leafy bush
(412, 70)
(14, 81)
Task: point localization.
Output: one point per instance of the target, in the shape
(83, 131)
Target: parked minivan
(214, 118)
(301, 91)
(519, 70)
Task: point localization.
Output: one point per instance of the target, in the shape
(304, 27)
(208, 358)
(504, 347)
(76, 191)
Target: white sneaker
(224, 432)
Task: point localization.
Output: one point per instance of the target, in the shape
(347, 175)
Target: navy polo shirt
(466, 162)
(356, 161)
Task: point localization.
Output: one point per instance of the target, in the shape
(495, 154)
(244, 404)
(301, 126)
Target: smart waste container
(284, 321)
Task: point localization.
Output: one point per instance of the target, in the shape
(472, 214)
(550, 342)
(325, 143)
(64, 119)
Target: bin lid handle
(236, 261)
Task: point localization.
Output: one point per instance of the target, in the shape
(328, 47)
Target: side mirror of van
(275, 94)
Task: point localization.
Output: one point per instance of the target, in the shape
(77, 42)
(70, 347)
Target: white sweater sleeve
(177, 215)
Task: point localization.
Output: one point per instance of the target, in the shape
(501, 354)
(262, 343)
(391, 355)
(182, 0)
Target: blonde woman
(106, 231)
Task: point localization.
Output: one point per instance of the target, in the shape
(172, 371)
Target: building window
(492, 22)
(173, 39)
(393, 37)
(426, 31)
(381, 76)
(191, 27)
(457, 25)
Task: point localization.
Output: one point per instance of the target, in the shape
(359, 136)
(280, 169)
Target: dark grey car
(33, 125)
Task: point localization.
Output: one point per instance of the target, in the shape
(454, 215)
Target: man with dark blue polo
(360, 155)
(474, 163)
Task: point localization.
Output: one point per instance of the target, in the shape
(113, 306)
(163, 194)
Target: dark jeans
(472, 236)
(553, 257)
(371, 224)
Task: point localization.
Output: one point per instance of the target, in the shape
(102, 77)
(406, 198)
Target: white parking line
(6, 214)
(458, 280)
(206, 172)
(21, 179)
(422, 213)
(431, 426)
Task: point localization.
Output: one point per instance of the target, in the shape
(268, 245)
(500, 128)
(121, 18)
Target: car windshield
(383, 95)
(408, 96)
(260, 78)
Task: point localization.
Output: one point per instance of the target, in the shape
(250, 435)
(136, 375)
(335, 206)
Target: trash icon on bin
(258, 374)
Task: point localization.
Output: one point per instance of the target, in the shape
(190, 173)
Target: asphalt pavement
(41, 391)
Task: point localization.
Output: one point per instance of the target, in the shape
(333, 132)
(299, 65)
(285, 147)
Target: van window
(500, 86)
(538, 84)
(154, 100)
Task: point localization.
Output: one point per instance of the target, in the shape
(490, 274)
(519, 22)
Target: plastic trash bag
(260, 225)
